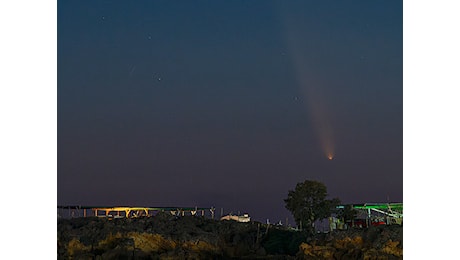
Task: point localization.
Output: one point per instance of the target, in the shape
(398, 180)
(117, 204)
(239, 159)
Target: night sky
(229, 103)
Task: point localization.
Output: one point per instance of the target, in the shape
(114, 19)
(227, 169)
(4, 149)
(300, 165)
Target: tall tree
(308, 203)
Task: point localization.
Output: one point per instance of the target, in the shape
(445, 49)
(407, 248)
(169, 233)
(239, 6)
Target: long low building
(243, 218)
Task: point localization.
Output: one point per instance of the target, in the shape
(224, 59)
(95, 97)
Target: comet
(312, 86)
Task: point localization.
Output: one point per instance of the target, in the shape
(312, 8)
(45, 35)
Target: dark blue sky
(209, 103)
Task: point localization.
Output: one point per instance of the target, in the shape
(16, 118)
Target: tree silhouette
(308, 203)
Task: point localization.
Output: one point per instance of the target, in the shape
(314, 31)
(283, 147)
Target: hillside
(168, 237)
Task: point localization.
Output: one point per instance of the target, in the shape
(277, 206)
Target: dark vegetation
(167, 237)
(308, 203)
